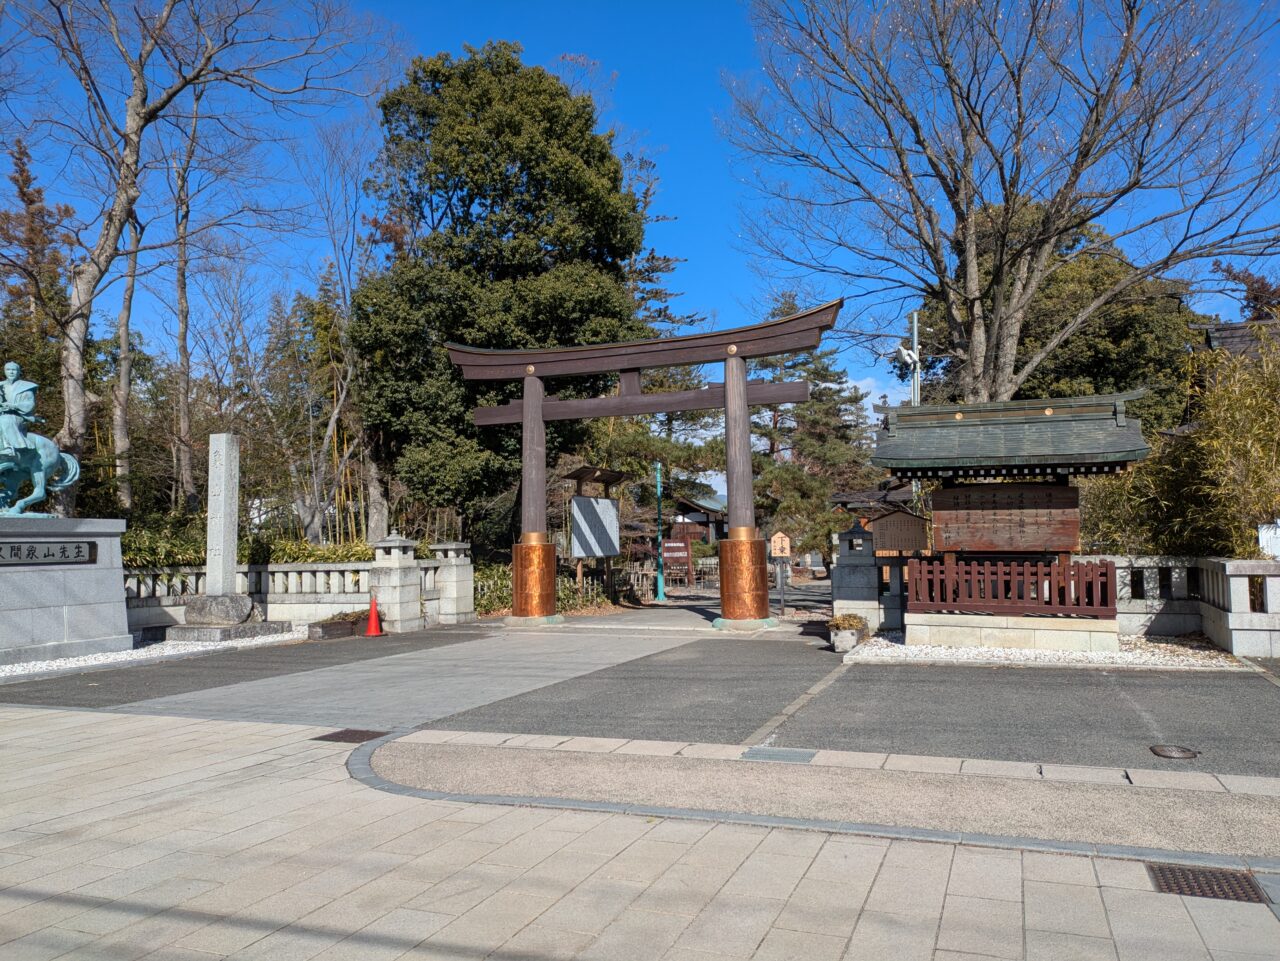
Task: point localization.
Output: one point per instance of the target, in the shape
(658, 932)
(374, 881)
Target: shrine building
(1006, 518)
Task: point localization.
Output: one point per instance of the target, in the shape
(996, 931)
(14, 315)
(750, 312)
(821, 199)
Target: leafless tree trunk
(949, 151)
(378, 521)
(182, 303)
(131, 63)
(334, 173)
(123, 386)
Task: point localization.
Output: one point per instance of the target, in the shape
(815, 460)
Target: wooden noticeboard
(899, 531)
(1039, 518)
(677, 559)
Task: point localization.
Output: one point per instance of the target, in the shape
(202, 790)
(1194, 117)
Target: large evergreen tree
(509, 226)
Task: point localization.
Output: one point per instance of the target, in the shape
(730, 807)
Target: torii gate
(744, 577)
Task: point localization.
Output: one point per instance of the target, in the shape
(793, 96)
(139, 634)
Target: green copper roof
(1059, 435)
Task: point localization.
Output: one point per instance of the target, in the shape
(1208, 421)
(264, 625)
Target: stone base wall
(50, 609)
(993, 630)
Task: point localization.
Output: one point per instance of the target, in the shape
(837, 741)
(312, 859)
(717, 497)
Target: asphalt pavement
(1094, 716)
(719, 689)
(705, 686)
(722, 690)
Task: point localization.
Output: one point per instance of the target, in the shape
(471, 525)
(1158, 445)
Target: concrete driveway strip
(127, 684)
(409, 689)
(1078, 812)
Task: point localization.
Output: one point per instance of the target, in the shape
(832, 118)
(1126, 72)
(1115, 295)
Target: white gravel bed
(152, 652)
(1135, 651)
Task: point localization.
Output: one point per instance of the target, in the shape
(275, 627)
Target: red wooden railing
(1085, 589)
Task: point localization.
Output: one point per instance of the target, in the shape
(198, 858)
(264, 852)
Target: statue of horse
(43, 464)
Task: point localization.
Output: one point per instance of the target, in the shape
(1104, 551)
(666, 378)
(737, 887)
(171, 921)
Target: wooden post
(737, 445)
(533, 560)
(581, 584)
(744, 576)
(533, 452)
(608, 561)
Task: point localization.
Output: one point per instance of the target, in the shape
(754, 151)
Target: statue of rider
(17, 410)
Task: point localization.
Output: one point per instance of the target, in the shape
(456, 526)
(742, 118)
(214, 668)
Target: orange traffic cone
(375, 622)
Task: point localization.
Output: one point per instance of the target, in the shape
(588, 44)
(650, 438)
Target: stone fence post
(456, 580)
(396, 584)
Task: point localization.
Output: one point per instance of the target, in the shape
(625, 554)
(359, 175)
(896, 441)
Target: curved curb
(360, 767)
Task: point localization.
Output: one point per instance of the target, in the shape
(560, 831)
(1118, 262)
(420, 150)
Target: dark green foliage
(1205, 490)
(509, 227)
(178, 540)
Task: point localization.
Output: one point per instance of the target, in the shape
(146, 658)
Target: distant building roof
(1062, 435)
(876, 500)
(1238, 338)
(708, 503)
(597, 475)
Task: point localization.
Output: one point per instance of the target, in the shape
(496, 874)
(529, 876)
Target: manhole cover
(349, 735)
(1206, 883)
(1173, 751)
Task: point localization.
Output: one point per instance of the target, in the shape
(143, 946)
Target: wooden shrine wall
(1040, 518)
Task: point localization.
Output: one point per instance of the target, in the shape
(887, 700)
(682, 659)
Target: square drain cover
(787, 755)
(1206, 883)
(349, 735)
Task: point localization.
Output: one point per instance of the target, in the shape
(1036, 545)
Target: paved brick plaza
(135, 830)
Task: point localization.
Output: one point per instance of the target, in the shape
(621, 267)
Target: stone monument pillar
(221, 612)
(222, 531)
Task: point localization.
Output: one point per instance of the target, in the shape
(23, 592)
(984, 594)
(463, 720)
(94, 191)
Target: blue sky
(668, 62)
(664, 66)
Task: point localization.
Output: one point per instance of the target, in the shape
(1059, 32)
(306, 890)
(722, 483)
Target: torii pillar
(533, 558)
(744, 572)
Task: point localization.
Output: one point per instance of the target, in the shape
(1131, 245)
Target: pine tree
(806, 452)
(35, 285)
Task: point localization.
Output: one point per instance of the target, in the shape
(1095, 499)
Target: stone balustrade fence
(1235, 603)
(155, 598)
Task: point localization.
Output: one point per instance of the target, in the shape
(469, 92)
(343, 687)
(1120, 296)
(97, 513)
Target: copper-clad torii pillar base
(744, 576)
(533, 577)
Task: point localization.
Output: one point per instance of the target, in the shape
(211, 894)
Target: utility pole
(912, 358)
(915, 352)
(661, 594)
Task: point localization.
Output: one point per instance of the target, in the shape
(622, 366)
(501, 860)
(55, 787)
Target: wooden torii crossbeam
(744, 591)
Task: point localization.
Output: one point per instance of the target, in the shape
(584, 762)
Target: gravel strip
(1136, 650)
(152, 652)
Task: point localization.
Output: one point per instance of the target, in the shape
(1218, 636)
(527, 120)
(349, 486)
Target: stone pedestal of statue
(61, 588)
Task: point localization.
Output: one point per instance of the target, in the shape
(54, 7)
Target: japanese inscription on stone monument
(47, 552)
